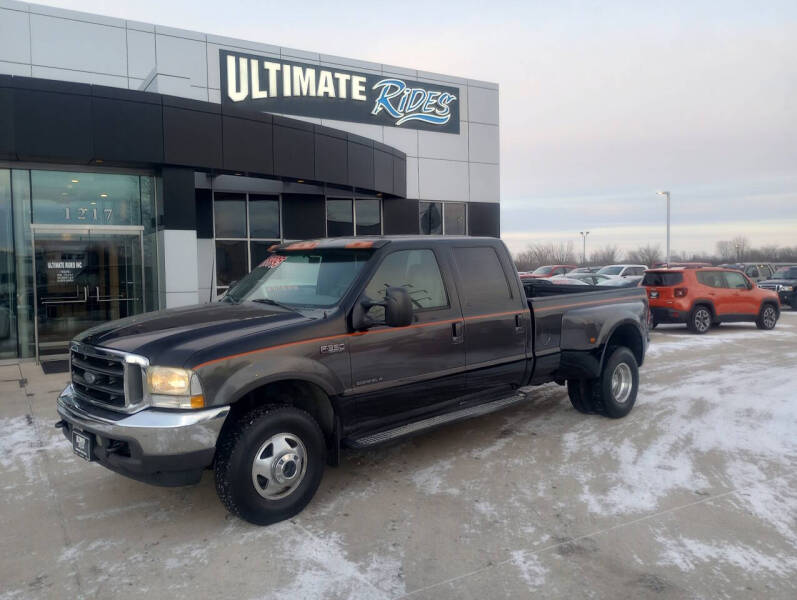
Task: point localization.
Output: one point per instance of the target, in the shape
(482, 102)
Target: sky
(602, 103)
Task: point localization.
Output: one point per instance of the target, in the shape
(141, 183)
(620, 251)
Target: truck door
(396, 371)
(497, 320)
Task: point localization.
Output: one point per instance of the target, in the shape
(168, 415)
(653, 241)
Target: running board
(432, 422)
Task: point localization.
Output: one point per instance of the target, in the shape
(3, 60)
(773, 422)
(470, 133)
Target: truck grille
(98, 376)
(769, 286)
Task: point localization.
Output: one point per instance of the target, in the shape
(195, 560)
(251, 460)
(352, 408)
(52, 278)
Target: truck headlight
(787, 288)
(170, 387)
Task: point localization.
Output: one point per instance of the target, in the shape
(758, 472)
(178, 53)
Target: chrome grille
(98, 376)
(769, 286)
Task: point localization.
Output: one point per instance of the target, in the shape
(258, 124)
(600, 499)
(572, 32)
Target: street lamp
(666, 193)
(584, 235)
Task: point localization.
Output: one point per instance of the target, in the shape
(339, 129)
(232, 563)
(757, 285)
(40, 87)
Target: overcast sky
(602, 103)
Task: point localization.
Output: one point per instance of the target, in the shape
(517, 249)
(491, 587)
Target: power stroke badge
(294, 88)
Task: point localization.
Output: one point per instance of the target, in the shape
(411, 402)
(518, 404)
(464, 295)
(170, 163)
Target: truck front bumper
(162, 447)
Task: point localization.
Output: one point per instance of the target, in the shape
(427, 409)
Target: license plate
(81, 445)
(654, 293)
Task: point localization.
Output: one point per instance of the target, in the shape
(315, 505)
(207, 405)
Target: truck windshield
(313, 279)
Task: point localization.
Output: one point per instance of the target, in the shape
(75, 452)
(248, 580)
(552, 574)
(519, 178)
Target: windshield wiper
(271, 302)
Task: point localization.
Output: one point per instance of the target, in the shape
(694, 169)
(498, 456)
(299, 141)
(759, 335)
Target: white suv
(618, 271)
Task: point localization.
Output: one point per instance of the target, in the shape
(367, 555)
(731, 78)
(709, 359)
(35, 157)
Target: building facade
(146, 167)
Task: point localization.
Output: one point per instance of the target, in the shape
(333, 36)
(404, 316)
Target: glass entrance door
(84, 277)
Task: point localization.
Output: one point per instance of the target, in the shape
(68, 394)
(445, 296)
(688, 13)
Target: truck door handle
(518, 327)
(456, 332)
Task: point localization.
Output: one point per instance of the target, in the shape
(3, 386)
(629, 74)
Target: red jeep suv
(706, 296)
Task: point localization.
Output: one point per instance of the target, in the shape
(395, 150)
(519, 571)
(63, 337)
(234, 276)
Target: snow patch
(431, 480)
(531, 569)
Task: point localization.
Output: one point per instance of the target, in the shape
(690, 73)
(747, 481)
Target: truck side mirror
(397, 305)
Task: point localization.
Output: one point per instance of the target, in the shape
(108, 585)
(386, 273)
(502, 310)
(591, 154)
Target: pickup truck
(339, 343)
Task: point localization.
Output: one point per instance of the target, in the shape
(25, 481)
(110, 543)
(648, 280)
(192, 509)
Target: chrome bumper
(156, 432)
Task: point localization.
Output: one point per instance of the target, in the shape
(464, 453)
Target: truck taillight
(680, 292)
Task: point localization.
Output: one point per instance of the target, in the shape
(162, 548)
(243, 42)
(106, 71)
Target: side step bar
(432, 422)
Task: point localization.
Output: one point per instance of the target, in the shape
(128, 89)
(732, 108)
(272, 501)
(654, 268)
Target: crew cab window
(751, 272)
(735, 280)
(711, 278)
(415, 270)
(484, 283)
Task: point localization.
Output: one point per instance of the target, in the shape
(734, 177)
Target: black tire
(767, 317)
(616, 401)
(700, 319)
(580, 392)
(716, 324)
(235, 456)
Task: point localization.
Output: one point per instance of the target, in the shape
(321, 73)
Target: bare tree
(606, 255)
(645, 255)
(726, 251)
(740, 245)
(537, 255)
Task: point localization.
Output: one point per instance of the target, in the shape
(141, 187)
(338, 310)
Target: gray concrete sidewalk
(693, 495)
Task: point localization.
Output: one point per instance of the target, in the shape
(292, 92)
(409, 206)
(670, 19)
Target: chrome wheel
(702, 320)
(279, 466)
(622, 382)
(769, 317)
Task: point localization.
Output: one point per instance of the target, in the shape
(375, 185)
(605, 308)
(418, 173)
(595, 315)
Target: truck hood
(179, 332)
(780, 281)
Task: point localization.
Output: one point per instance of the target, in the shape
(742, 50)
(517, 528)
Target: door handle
(456, 332)
(518, 327)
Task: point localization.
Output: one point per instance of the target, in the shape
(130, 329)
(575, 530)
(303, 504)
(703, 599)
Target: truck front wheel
(269, 463)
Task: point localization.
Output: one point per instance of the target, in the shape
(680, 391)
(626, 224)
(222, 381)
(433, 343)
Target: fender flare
(605, 342)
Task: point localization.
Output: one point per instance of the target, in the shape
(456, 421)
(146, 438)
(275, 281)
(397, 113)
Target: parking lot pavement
(694, 494)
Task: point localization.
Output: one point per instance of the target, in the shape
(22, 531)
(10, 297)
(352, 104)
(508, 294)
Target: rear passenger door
(497, 319)
(402, 371)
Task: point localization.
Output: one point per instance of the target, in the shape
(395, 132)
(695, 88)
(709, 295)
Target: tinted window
(664, 279)
(431, 217)
(369, 217)
(264, 216)
(711, 278)
(454, 213)
(231, 262)
(484, 284)
(230, 215)
(786, 273)
(416, 271)
(735, 280)
(340, 221)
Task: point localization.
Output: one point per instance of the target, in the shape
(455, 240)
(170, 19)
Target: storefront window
(454, 218)
(8, 283)
(229, 212)
(264, 217)
(23, 249)
(369, 217)
(67, 198)
(431, 217)
(231, 262)
(340, 220)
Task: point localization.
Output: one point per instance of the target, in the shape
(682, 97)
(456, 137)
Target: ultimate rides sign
(308, 90)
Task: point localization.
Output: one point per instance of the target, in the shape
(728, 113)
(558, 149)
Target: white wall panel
(179, 249)
(183, 57)
(484, 143)
(14, 36)
(444, 145)
(141, 53)
(79, 76)
(77, 45)
(405, 140)
(442, 179)
(485, 182)
(483, 106)
(8, 68)
(412, 178)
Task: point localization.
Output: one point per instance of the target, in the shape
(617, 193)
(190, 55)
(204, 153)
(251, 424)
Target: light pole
(666, 193)
(584, 235)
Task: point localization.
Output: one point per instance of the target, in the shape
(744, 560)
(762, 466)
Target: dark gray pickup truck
(339, 343)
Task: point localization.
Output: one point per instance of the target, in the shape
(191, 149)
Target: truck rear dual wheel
(269, 463)
(614, 393)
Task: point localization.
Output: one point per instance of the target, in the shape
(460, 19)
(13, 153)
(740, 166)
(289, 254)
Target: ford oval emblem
(89, 377)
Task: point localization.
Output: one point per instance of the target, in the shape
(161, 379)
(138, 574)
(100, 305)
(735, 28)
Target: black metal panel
(191, 137)
(294, 151)
(125, 131)
(7, 149)
(204, 213)
(383, 171)
(179, 200)
(331, 159)
(400, 176)
(400, 216)
(484, 219)
(248, 145)
(361, 165)
(303, 216)
(53, 126)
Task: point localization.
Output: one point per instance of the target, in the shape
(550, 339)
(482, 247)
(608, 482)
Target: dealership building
(146, 167)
